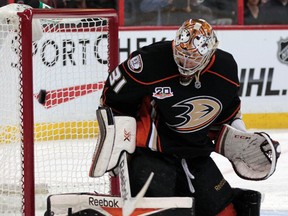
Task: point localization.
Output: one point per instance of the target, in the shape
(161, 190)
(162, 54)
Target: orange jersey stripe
(225, 78)
(147, 83)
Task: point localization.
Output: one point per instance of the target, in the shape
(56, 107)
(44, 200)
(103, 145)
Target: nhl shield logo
(282, 53)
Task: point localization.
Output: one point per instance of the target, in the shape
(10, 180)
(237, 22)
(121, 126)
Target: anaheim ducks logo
(201, 111)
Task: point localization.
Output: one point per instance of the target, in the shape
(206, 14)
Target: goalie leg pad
(90, 204)
(170, 180)
(247, 202)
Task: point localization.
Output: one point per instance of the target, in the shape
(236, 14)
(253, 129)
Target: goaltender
(183, 95)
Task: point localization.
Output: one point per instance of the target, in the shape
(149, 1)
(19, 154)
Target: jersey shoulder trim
(127, 71)
(224, 77)
(224, 66)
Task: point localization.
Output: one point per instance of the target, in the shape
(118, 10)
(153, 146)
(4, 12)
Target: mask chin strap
(197, 83)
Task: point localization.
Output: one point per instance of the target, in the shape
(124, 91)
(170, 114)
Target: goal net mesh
(70, 61)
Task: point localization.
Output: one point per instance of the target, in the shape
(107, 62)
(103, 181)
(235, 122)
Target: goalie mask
(193, 47)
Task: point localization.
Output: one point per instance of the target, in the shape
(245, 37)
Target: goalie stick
(130, 206)
(129, 203)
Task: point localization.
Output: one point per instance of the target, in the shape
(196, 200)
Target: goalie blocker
(253, 155)
(116, 135)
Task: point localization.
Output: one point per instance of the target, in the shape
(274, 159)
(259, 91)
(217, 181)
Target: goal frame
(27, 79)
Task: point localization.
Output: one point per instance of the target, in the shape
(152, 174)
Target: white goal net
(49, 93)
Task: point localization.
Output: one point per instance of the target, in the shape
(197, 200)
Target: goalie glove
(253, 155)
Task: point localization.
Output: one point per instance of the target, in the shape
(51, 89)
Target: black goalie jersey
(173, 118)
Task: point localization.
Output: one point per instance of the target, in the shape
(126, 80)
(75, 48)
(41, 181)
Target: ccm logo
(242, 137)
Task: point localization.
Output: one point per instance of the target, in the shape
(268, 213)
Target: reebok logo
(103, 202)
(123, 180)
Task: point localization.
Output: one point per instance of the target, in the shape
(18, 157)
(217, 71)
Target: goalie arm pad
(116, 134)
(239, 124)
(253, 155)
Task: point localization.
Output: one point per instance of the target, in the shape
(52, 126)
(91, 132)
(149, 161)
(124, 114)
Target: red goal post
(49, 93)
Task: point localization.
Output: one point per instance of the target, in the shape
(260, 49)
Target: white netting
(70, 62)
(10, 117)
